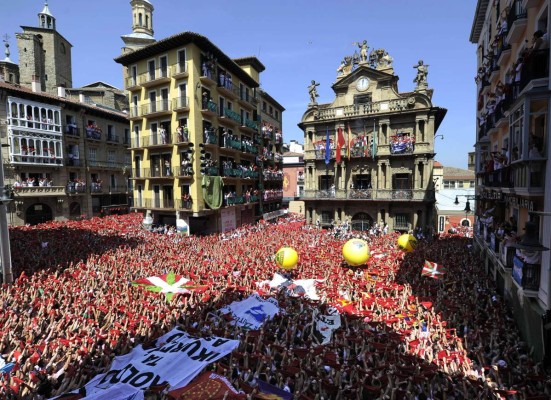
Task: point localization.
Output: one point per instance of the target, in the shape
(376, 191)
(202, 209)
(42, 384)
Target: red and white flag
(340, 143)
(170, 284)
(432, 270)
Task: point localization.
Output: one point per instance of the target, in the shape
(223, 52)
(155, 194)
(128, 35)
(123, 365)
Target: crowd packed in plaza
(402, 335)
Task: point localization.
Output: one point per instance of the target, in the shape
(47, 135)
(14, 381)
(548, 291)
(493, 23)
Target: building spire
(45, 18)
(7, 50)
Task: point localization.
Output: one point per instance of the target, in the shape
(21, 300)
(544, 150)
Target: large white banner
(252, 312)
(324, 326)
(177, 358)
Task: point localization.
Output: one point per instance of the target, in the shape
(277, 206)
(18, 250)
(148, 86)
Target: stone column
(425, 175)
(415, 218)
(378, 177)
(388, 177)
(415, 183)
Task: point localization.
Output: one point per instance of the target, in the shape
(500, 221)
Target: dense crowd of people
(73, 309)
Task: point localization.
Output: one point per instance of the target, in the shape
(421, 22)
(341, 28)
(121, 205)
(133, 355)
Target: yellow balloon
(355, 252)
(286, 258)
(407, 242)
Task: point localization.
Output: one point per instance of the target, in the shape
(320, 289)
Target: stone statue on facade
(380, 59)
(363, 50)
(346, 66)
(421, 77)
(313, 92)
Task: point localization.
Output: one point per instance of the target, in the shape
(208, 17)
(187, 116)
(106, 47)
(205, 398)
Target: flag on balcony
(327, 147)
(432, 270)
(170, 284)
(349, 140)
(340, 143)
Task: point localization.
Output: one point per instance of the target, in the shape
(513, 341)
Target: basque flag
(432, 270)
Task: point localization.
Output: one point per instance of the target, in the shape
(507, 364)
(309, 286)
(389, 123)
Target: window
(270, 110)
(460, 184)
(151, 69)
(472, 184)
(164, 66)
(401, 181)
(126, 136)
(325, 182)
(362, 182)
(277, 115)
(401, 221)
(92, 153)
(326, 217)
(182, 60)
(362, 99)
(111, 156)
(449, 184)
(264, 106)
(517, 124)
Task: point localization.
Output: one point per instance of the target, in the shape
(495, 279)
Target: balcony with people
(402, 144)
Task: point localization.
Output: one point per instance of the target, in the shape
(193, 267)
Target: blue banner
(327, 148)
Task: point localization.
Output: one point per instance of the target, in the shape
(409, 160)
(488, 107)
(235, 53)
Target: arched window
(147, 21)
(465, 222)
(140, 19)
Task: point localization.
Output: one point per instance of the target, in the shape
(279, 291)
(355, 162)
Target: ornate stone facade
(369, 152)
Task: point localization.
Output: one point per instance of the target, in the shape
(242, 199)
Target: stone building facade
(369, 152)
(64, 153)
(44, 55)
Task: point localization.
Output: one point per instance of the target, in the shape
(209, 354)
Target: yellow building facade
(197, 150)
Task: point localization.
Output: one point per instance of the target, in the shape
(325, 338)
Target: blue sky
(297, 41)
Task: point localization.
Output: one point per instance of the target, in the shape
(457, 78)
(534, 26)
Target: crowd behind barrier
(73, 309)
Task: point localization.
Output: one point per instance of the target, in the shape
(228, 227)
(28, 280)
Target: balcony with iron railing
(180, 103)
(75, 187)
(232, 172)
(157, 203)
(516, 21)
(71, 130)
(184, 204)
(526, 275)
(231, 115)
(183, 172)
(234, 200)
(93, 132)
(155, 77)
(247, 100)
(180, 70)
(370, 194)
(112, 138)
(210, 137)
(158, 172)
(500, 178)
(535, 66)
(156, 108)
(250, 124)
(225, 88)
(96, 188)
(118, 189)
(209, 108)
(106, 164)
(131, 83)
